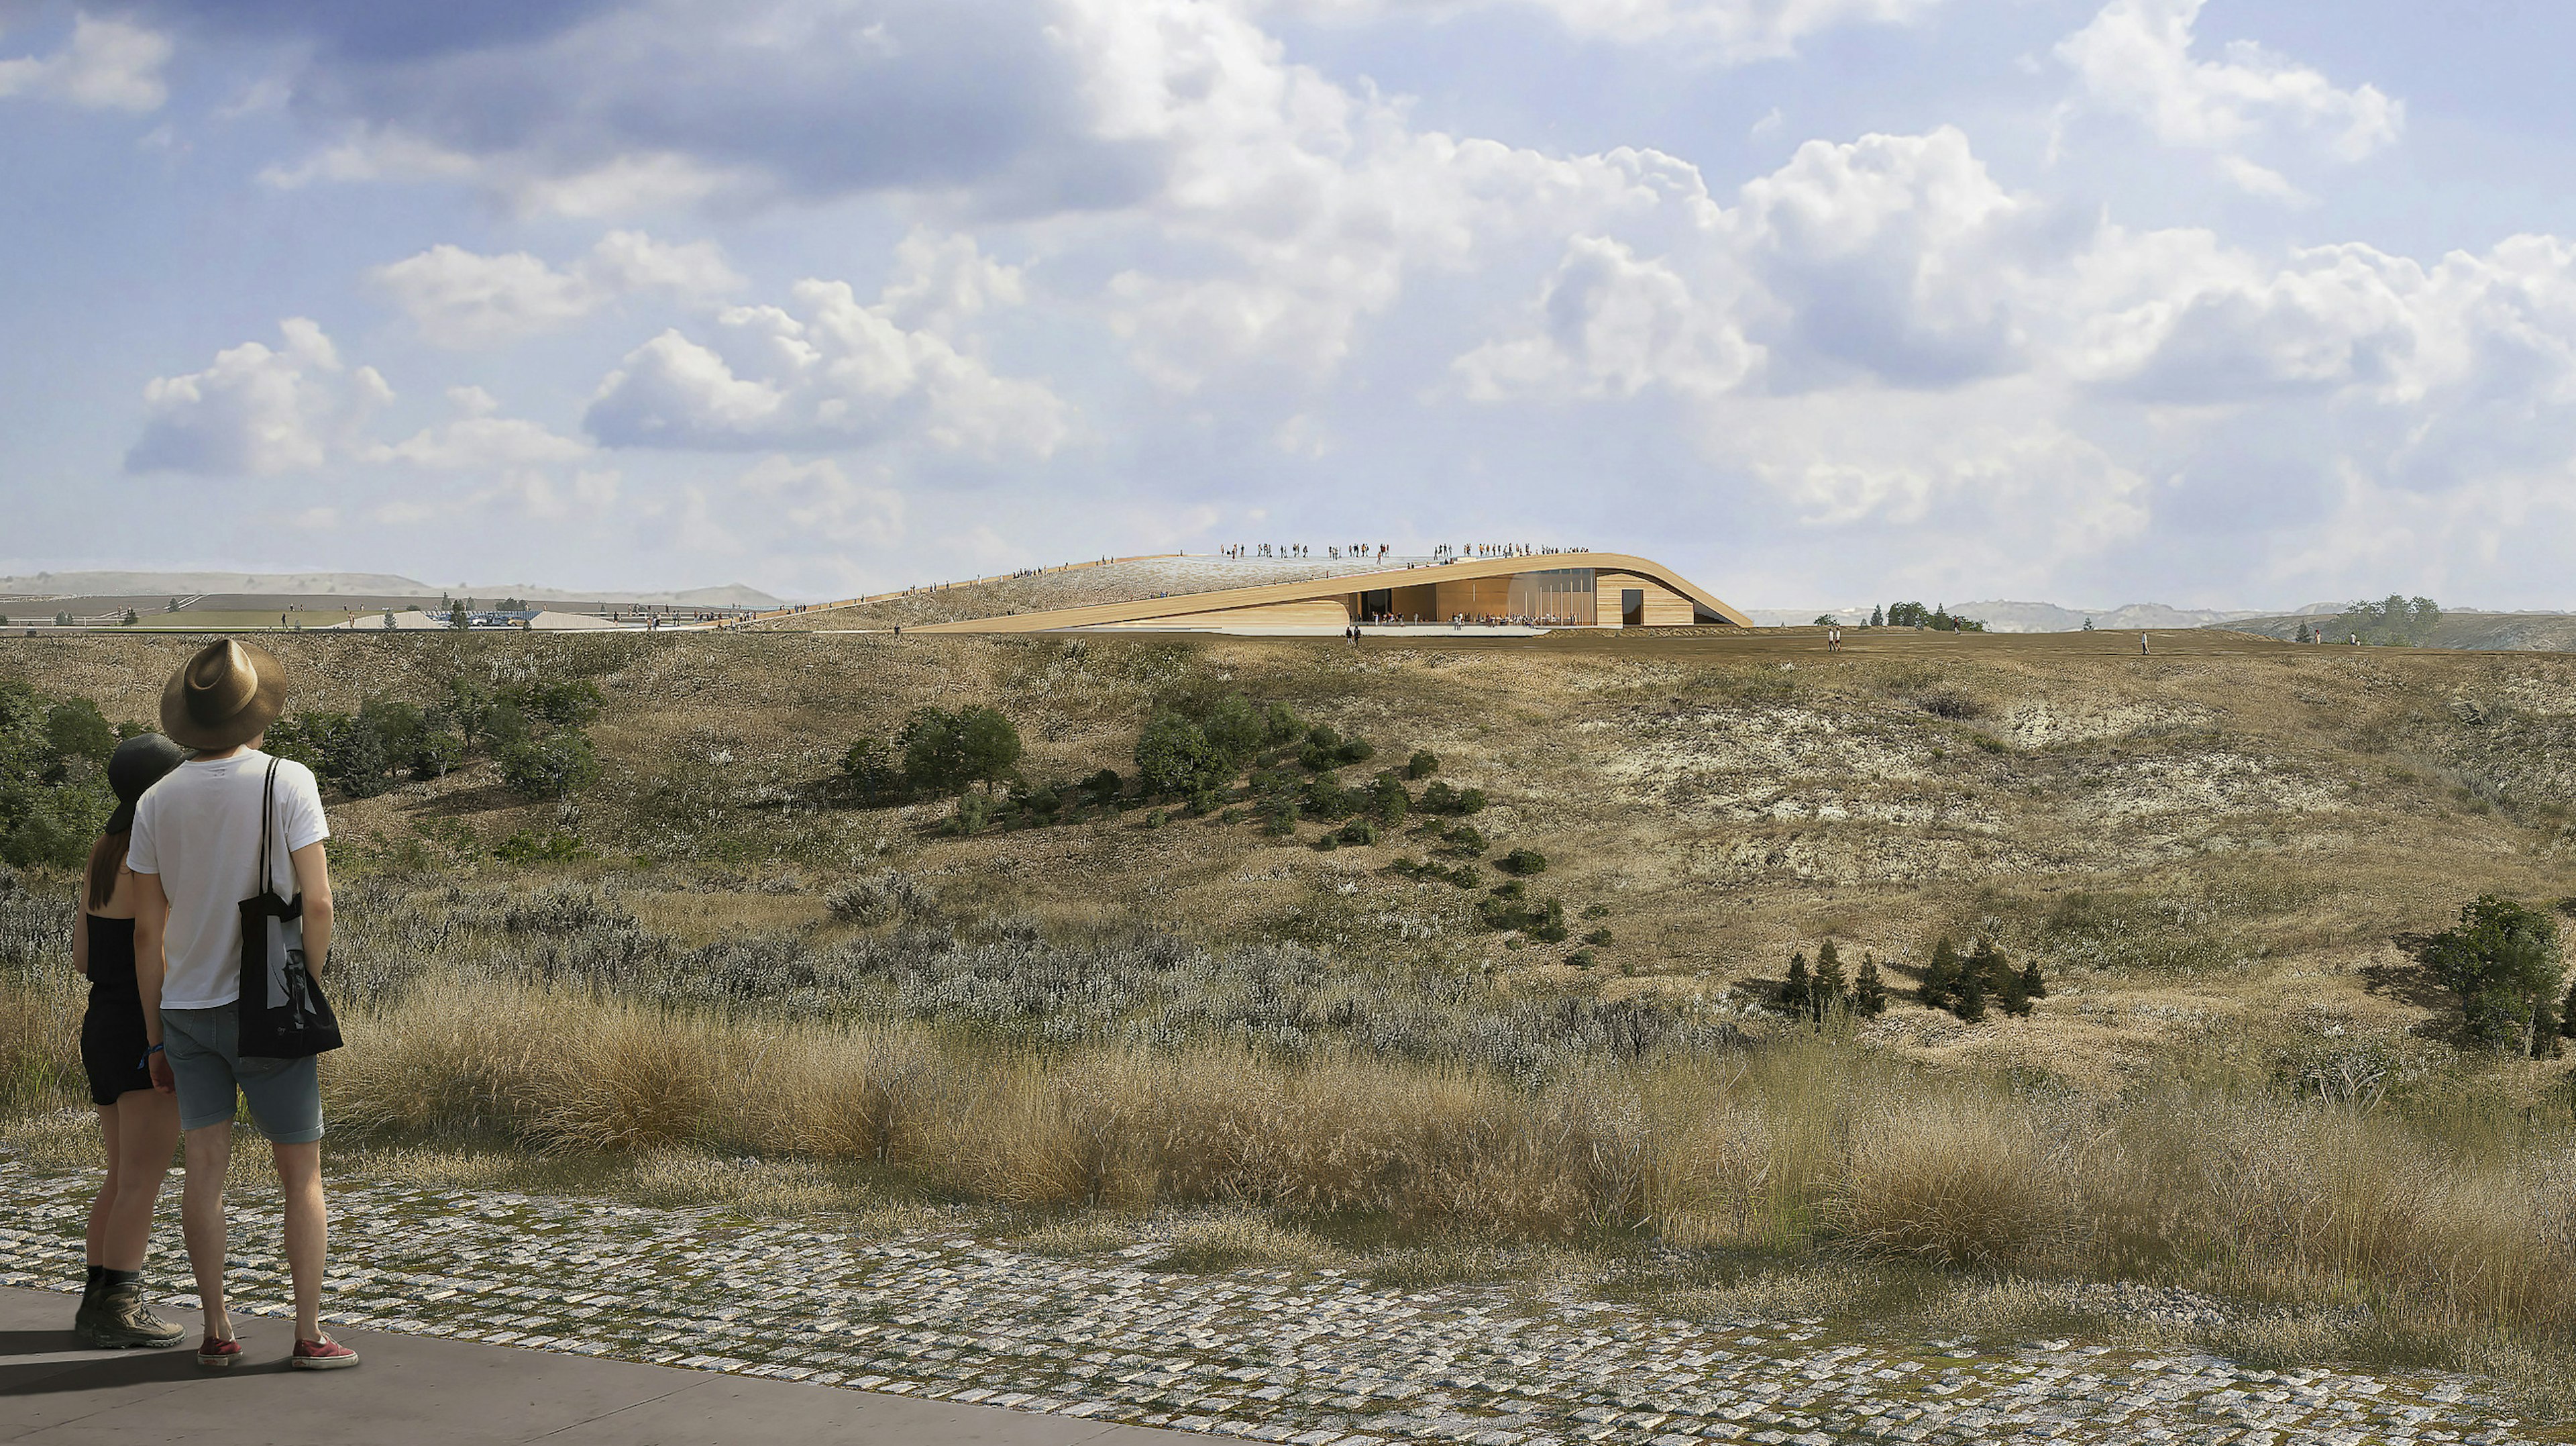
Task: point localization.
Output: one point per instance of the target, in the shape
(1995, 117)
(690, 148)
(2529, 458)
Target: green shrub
(1327, 843)
(1597, 937)
(1279, 819)
(554, 766)
(1173, 756)
(1355, 750)
(1359, 831)
(974, 812)
(871, 772)
(562, 705)
(1522, 863)
(2499, 959)
(1157, 819)
(1466, 842)
(1282, 724)
(1105, 786)
(1422, 764)
(1596, 911)
(528, 847)
(1580, 959)
(1388, 800)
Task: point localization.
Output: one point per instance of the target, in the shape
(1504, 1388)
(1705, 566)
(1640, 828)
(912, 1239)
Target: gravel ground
(1304, 1356)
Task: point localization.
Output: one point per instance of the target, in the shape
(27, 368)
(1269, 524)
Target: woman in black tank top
(140, 1125)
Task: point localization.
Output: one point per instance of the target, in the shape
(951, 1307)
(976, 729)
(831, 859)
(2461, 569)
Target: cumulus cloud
(1890, 258)
(258, 411)
(105, 65)
(2136, 59)
(1613, 325)
(829, 371)
(1733, 30)
(600, 109)
(458, 298)
(821, 503)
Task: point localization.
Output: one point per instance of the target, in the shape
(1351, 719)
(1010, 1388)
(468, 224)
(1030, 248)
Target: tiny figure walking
(2142, 644)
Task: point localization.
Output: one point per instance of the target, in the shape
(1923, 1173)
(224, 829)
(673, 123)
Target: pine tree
(1869, 995)
(2031, 982)
(1941, 976)
(1828, 988)
(1972, 997)
(1878, 617)
(1797, 991)
(2545, 1042)
(2011, 990)
(2567, 1014)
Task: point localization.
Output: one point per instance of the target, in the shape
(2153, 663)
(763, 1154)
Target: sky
(2221, 303)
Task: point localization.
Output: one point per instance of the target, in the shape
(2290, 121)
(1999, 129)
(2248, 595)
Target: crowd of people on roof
(1378, 551)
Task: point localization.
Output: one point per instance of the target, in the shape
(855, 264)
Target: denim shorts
(285, 1094)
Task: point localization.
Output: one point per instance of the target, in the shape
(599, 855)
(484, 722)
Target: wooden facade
(1429, 592)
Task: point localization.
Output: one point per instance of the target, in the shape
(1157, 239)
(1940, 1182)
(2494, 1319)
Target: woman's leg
(201, 1219)
(147, 1131)
(106, 1201)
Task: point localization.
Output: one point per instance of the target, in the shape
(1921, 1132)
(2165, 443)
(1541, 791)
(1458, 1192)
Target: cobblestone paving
(1275, 1355)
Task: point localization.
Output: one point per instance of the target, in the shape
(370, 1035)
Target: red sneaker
(322, 1355)
(217, 1355)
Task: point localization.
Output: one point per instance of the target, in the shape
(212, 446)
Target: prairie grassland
(2240, 1083)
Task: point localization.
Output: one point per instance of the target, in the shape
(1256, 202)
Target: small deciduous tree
(945, 750)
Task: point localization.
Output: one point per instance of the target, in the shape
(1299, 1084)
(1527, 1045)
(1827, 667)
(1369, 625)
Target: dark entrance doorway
(1377, 602)
(1632, 607)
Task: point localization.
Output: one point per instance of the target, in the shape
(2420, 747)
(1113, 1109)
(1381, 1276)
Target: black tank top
(111, 958)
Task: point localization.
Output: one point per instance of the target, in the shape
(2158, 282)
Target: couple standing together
(161, 934)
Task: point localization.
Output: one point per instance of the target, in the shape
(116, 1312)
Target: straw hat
(223, 697)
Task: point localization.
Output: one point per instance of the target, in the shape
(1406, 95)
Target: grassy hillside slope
(2223, 855)
(2511, 632)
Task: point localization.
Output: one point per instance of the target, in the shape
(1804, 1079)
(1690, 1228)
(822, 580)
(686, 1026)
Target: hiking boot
(87, 1316)
(321, 1355)
(122, 1319)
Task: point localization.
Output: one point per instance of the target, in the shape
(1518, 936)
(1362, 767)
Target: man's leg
(201, 1220)
(308, 1230)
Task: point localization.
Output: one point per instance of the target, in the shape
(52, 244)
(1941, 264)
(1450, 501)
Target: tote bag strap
(267, 807)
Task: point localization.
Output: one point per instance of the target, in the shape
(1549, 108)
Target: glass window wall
(1559, 597)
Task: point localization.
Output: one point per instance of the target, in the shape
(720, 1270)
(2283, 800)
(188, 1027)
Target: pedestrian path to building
(422, 1391)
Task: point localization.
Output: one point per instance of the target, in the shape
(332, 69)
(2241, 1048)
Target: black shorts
(112, 1046)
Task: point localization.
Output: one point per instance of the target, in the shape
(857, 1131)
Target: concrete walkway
(422, 1391)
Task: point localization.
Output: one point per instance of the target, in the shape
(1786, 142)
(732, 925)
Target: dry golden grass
(2218, 853)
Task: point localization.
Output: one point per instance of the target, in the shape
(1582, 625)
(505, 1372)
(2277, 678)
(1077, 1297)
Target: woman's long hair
(104, 858)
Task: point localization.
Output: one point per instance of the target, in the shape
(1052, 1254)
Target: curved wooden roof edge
(1148, 609)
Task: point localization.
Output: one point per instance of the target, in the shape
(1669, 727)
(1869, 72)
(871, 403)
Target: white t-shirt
(198, 828)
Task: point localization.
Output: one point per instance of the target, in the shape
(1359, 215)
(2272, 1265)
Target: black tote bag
(283, 1013)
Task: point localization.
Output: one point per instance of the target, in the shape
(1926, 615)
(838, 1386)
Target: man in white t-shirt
(195, 856)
